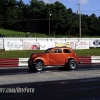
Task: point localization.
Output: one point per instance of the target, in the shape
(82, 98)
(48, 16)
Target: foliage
(36, 16)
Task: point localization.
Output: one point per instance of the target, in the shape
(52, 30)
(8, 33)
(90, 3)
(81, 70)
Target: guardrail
(9, 62)
(85, 60)
(17, 62)
(89, 59)
(23, 62)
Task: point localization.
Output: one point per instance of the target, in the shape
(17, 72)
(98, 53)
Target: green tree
(11, 13)
(59, 17)
(3, 9)
(91, 24)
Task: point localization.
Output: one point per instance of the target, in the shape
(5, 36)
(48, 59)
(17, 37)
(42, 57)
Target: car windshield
(48, 50)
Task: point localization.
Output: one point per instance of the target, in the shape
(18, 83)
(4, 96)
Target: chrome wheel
(39, 66)
(72, 65)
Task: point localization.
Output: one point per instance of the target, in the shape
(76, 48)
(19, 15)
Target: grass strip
(26, 53)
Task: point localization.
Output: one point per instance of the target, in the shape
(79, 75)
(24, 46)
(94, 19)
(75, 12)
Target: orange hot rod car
(57, 56)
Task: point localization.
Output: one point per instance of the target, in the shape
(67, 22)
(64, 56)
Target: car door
(56, 57)
(67, 53)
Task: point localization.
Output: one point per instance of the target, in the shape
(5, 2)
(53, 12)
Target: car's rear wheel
(39, 66)
(72, 65)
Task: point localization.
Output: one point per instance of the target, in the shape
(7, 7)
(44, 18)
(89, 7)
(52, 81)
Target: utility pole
(79, 12)
(49, 22)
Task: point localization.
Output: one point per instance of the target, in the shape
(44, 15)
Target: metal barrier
(85, 60)
(9, 62)
(23, 62)
(95, 59)
(15, 62)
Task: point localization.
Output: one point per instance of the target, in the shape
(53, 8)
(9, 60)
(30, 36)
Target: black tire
(72, 65)
(39, 66)
(31, 67)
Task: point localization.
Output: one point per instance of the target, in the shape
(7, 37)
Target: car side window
(56, 51)
(59, 51)
(66, 51)
(53, 51)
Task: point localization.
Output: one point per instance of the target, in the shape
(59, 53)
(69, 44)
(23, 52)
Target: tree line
(41, 17)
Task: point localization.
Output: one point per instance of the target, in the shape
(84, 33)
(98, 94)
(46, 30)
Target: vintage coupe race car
(57, 56)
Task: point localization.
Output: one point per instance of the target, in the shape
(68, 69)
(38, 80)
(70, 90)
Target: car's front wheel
(39, 66)
(31, 67)
(72, 65)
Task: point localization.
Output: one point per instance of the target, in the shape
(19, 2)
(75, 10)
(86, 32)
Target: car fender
(42, 59)
(67, 59)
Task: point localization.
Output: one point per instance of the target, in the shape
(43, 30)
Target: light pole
(79, 12)
(49, 21)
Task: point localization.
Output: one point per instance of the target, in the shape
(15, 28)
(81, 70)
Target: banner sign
(13, 45)
(46, 45)
(62, 44)
(29, 45)
(95, 43)
(72, 45)
(66, 44)
(1, 43)
(82, 45)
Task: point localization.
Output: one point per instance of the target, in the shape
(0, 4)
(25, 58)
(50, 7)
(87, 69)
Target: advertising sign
(29, 45)
(13, 45)
(95, 42)
(62, 44)
(82, 45)
(1, 43)
(46, 45)
(72, 45)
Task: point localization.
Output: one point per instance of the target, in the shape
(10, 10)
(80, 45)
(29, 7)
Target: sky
(87, 7)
